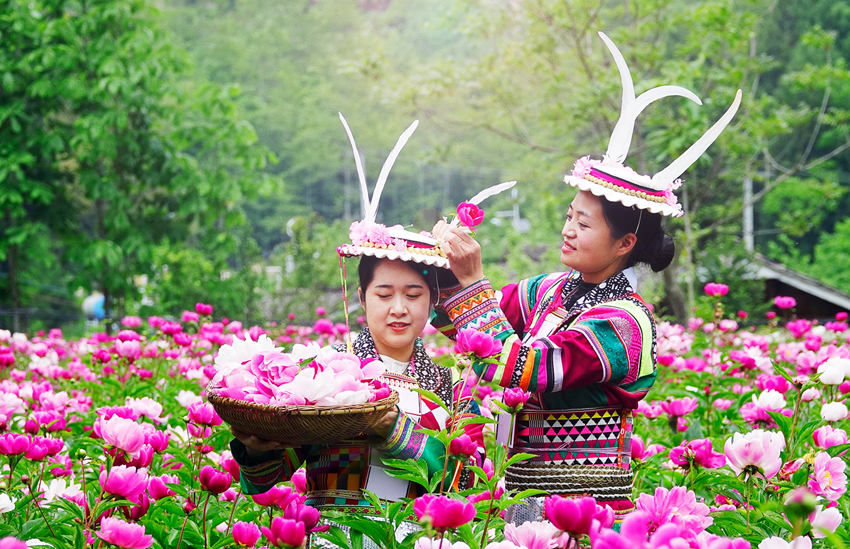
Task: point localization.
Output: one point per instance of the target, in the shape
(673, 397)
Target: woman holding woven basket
(582, 341)
(399, 277)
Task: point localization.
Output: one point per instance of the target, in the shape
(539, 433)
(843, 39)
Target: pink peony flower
(784, 302)
(203, 309)
(515, 398)
(799, 328)
(189, 316)
(203, 413)
(828, 436)
(123, 481)
(299, 480)
(443, 512)
(677, 407)
(478, 343)
(13, 444)
(285, 532)
(280, 496)
(131, 350)
(651, 411)
(572, 515)
(677, 506)
(121, 433)
(824, 520)
(757, 449)
(697, 452)
(469, 215)
(828, 478)
(124, 534)
(245, 534)
(131, 321)
(157, 487)
(715, 289)
(463, 446)
(213, 480)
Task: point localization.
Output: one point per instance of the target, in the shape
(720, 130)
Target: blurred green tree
(122, 147)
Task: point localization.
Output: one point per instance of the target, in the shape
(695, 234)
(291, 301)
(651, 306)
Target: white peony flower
(834, 370)
(833, 411)
(58, 487)
(7, 504)
(770, 400)
(187, 398)
(239, 352)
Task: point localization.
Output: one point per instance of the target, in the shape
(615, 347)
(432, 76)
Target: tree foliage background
(165, 152)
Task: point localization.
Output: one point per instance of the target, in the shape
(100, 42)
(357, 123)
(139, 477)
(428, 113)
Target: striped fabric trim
(405, 442)
(638, 350)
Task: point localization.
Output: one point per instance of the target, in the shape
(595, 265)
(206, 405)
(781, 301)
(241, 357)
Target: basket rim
(307, 409)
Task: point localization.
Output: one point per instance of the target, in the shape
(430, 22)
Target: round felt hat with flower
(611, 179)
(395, 242)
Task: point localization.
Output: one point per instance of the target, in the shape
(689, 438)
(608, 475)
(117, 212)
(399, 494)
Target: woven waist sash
(575, 437)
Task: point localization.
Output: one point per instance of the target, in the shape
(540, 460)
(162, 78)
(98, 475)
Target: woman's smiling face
(588, 246)
(397, 303)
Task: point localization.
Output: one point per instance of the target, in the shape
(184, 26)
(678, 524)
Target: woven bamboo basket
(299, 425)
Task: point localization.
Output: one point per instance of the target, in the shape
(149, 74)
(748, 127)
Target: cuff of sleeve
(404, 442)
(476, 307)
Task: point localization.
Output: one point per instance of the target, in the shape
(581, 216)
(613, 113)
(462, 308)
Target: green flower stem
(182, 529)
(44, 518)
(790, 441)
(489, 514)
(204, 518)
(232, 511)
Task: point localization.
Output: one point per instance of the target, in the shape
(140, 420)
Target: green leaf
(516, 458)
(783, 422)
(335, 535)
(839, 449)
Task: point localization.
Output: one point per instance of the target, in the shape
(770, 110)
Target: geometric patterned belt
(591, 436)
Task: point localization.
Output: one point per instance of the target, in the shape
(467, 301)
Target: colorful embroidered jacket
(336, 475)
(588, 365)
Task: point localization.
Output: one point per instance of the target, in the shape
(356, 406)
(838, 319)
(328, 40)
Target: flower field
(108, 441)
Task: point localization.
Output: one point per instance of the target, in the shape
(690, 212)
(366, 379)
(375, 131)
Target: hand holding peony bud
(469, 215)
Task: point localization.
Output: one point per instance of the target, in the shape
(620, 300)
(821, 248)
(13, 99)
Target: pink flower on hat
(583, 165)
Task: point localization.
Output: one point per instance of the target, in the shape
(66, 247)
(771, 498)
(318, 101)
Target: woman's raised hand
(463, 251)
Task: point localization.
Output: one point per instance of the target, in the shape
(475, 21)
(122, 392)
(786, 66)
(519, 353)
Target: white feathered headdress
(371, 238)
(612, 179)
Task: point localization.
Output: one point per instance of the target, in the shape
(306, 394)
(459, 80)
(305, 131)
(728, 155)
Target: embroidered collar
(615, 287)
